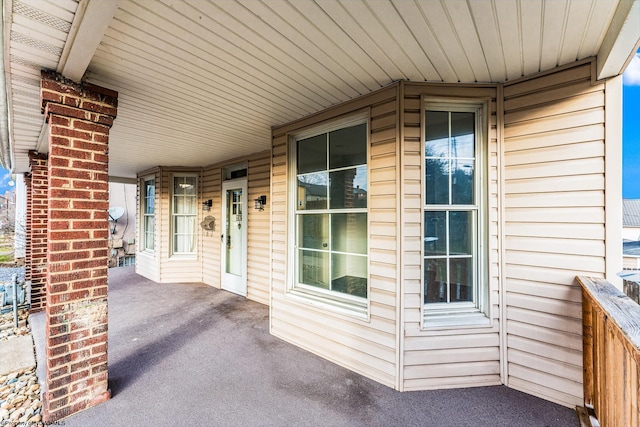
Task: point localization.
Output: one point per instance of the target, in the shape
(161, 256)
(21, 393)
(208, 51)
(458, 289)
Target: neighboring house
(631, 219)
(412, 187)
(631, 233)
(122, 216)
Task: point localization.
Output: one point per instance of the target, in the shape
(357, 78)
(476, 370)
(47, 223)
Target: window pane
(148, 232)
(462, 135)
(461, 272)
(313, 231)
(349, 274)
(184, 185)
(312, 191)
(435, 233)
(437, 182)
(314, 268)
(462, 182)
(460, 233)
(435, 280)
(312, 154)
(348, 146)
(437, 134)
(349, 233)
(348, 188)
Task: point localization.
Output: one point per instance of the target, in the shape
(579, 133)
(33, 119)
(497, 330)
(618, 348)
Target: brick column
(37, 219)
(79, 119)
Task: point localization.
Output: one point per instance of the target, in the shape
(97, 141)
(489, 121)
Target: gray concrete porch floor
(190, 355)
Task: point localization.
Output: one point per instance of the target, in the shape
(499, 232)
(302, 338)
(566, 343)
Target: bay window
(184, 214)
(453, 209)
(147, 197)
(330, 220)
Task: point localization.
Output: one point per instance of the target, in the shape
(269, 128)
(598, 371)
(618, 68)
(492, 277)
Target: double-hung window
(330, 228)
(184, 214)
(453, 209)
(148, 189)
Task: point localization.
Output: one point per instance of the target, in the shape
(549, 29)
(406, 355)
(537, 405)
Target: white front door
(234, 236)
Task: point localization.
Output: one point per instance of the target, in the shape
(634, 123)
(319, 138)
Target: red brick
(69, 214)
(67, 256)
(70, 173)
(58, 140)
(91, 204)
(69, 152)
(93, 166)
(68, 235)
(91, 127)
(99, 147)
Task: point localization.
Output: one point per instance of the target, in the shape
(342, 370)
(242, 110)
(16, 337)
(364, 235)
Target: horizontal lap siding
(554, 226)
(258, 229)
(211, 188)
(366, 347)
(459, 357)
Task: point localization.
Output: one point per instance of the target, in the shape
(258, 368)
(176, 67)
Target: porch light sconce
(260, 202)
(206, 205)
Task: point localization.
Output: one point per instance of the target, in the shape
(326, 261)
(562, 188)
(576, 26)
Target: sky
(631, 130)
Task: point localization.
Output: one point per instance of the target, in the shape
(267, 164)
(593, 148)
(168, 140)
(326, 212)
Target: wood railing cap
(619, 308)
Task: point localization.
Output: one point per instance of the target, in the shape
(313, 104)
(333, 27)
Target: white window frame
(144, 198)
(173, 215)
(326, 299)
(475, 313)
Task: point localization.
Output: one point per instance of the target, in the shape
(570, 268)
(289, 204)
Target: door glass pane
(437, 134)
(462, 182)
(437, 182)
(314, 268)
(312, 191)
(348, 188)
(435, 280)
(312, 154)
(349, 232)
(233, 233)
(461, 272)
(313, 231)
(349, 274)
(460, 233)
(435, 233)
(348, 146)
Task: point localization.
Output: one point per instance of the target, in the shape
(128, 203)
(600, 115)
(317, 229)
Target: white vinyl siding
(554, 181)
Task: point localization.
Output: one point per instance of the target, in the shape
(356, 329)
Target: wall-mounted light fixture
(206, 205)
(260, 202)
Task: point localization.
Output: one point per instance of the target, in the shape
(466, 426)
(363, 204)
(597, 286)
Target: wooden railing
(611, 345)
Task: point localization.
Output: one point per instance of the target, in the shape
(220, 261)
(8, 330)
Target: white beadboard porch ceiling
(204, 81)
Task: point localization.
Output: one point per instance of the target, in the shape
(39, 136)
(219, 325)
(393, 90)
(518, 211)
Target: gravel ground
(19, 391)
(7, 273)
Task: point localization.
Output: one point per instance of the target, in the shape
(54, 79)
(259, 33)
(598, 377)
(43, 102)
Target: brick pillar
(79, 118)
(37, 218)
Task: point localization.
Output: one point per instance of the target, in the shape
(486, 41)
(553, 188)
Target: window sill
(182, 257)
(333, 304)
(452, 320)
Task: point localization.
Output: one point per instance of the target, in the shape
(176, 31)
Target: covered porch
(196, 355)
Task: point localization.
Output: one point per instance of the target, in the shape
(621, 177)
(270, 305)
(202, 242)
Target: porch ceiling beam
(89, 25)
(621, 41)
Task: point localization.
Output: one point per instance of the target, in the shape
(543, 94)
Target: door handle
(222, 237)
